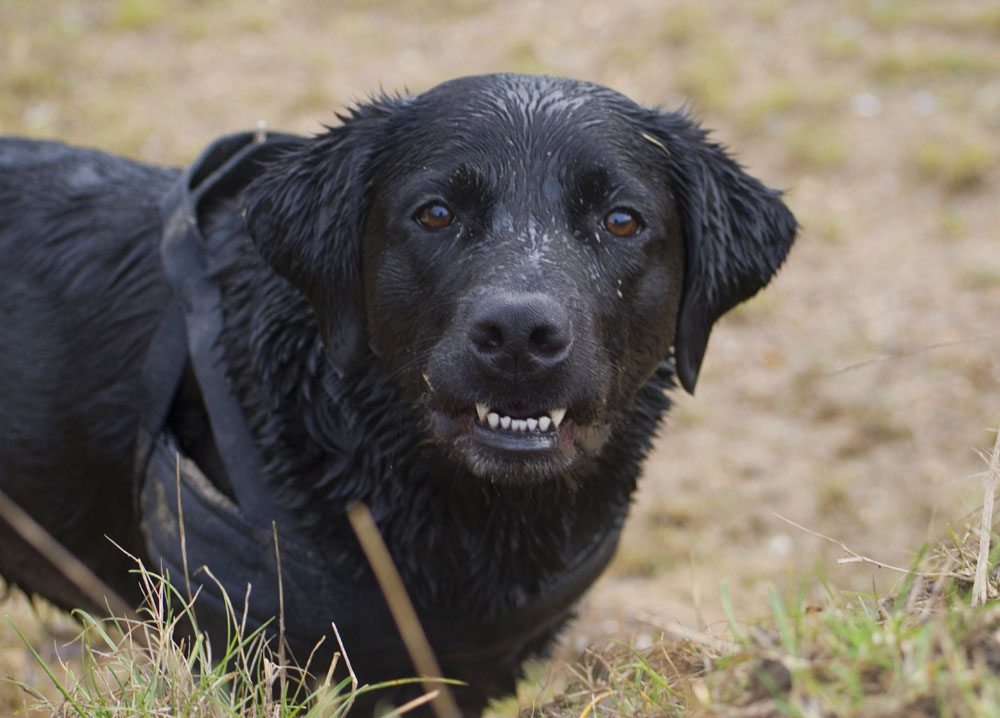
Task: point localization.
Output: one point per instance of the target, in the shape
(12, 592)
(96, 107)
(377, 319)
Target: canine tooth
(494, 419)
(532, 424)
(482, 410)
(544, 423)
(505, 422)
(557, 416)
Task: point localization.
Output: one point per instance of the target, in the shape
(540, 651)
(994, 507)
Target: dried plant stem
(913, 352)
(402, 609)
(98, 592)
(180, 526)
(858, 558)
(979, 586)
(281, 613)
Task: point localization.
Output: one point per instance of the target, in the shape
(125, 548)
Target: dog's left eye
(621, 222)
(434, 215)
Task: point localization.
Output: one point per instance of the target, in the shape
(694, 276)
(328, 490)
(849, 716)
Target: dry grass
(930, 648)
(159, 664)
(924, 650)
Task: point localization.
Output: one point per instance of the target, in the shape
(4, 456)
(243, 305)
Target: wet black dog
(462, 308)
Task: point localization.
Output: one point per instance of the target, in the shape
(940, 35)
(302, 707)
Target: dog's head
(522, 253)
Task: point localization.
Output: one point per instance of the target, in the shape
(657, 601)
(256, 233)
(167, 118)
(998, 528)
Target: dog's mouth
(512, 425)
(510, 428)
(515, 442)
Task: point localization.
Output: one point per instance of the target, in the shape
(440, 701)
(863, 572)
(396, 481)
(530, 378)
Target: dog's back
(80, 292)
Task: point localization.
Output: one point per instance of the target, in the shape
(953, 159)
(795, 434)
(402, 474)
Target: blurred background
(851, 397)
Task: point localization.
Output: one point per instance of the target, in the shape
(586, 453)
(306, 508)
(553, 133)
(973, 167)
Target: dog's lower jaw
(521, 458)
(504, 467)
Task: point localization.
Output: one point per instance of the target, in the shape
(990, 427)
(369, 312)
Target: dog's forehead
(529, 96)
(523, 109)
(507, 125)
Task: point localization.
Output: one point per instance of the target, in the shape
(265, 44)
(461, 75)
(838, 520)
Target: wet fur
(334, 343)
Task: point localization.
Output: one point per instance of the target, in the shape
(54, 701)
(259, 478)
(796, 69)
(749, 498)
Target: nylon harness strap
(194, 313)
(235, 540)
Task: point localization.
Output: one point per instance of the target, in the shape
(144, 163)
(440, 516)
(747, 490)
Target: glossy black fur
(348, 325)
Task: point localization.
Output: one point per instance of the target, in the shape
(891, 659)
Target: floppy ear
(736, 235)
(306, 215)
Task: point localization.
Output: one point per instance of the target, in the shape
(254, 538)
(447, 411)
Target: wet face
(523, 266)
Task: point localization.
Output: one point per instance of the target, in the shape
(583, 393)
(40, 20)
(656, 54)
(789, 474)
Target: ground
(850, 397)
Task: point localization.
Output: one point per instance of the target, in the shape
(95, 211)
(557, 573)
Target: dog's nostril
(547, 340)
(487, 337)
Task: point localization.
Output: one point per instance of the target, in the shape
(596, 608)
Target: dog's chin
(518, 451)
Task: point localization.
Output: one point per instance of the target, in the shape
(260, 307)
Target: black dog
(462, 308)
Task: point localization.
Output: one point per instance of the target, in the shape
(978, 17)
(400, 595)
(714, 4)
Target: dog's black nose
(525, 334)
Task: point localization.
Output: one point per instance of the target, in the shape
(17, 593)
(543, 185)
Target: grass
(929, 648)
(685, 25)
(710, 76)
(155, 665)
(914, 64)
(780, 97)
(818, 145)
(958, 163)
(924, 650)
(131, 15)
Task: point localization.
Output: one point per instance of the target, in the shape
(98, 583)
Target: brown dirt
(850, 397)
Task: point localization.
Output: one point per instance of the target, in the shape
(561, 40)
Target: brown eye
(434, 215)
(621, 223)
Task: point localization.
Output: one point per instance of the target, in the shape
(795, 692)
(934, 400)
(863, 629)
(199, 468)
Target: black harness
(234, 539)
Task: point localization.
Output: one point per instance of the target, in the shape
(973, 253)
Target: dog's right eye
(434, 215)
(622, 222)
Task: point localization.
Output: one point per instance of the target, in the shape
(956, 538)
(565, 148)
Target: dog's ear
(306, 215)
(736, 234)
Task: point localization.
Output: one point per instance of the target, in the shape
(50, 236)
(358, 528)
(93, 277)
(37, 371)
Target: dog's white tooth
(505, 422)
(532, 424)
(544, 423)
(520, 424)
(557, 416)
(494, 419)
(482, 410)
